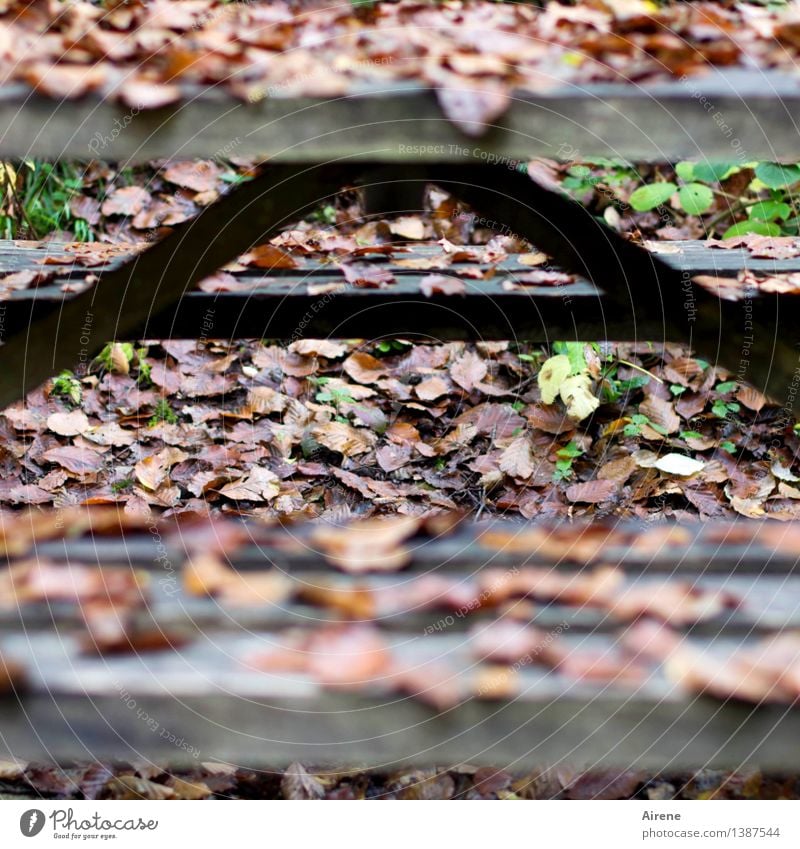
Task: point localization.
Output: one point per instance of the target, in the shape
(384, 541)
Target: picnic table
(314, 148)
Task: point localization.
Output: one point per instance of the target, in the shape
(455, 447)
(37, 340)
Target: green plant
(335, 395)
(722, 408)
(121, 486)
(766, 207)
(42, 195)
(565, 457)
(67, 386)
(390, 346)
(163, 413)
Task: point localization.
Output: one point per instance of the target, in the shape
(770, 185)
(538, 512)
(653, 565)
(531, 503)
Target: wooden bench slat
(767, 604)
(167, 709)
(654, 122)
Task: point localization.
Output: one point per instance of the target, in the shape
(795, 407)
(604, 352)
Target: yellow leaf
(554, 372)
(576, 394)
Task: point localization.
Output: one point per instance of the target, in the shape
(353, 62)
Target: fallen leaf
(553, 373)
(678, 464)
(68, 424)
(260, 485)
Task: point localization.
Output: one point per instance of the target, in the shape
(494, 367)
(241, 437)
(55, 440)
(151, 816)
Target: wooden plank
(691, 255)
(734, 114)
(280, 305)
(203, 706)
(710, 548)
(767, 604)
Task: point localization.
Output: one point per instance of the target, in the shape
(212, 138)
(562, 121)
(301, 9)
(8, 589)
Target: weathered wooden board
(732, 115)
(282, 304)
(204, 705)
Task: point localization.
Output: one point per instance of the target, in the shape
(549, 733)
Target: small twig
(12, 184)
(639, 368)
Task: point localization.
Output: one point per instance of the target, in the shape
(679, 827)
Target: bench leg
(42, 338)
(757, 339)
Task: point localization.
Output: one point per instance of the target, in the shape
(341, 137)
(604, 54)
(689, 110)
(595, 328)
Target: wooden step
(214, 692)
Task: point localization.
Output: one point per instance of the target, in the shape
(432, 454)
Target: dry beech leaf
(344, 438)
(298, 784)
(189, 790)
(260, 485)
(268, 256)
(371, 544)
(440, 284)
(468, 370)
(517, 459)
(431, 389)
(473, 106)
(364, 368)
(408, 227)
(79, 461)
(661, 413)
(127, 200)
(68, 424)
(131, 787)
(591, 492)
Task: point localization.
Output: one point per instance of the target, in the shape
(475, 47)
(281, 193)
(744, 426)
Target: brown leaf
(440, 284)
(296, 783)
(145, 94)
(750, 397)
(153, 471)
(132, 787)
(364, 368)
(79, 461)
(393, 457)
(431, 389)
(408, 226)
(268, 256)
(661, 412)
(128, 200)
(517, 459)
(65, 81)
(68, 424)
(473, 106)
(592, 492)
(260, 485)
(368, 545)
(199, 175)
(468, 370)
(366, 276)
(344, 438)
(189, 790)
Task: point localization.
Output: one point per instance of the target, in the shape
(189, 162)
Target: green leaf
(690, 434)
(760, 228)
(727, 386)
(569, 451)
(695, 198)
(769, 210)
(677, 389)
(728, 446)
(713, 172)
(685, 170)
(777, 176)
(574, 351)
(720, 409)
(649, 197)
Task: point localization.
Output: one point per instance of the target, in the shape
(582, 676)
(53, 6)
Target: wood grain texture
(653, 122)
